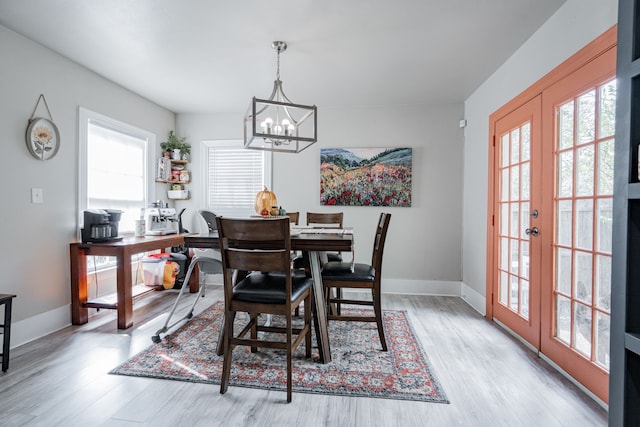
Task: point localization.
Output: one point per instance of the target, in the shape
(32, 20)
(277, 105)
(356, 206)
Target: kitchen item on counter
(161, 220)
(100, 225)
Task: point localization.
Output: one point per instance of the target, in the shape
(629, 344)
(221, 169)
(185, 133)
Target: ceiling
(197, 56)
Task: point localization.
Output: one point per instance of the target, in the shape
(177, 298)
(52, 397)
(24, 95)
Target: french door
(551, 222)
(577, 294)
(516, 284)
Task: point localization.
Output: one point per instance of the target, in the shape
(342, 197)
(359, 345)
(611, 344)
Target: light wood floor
(490, 380)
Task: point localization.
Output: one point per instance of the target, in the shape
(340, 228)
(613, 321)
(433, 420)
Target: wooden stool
(6, 300)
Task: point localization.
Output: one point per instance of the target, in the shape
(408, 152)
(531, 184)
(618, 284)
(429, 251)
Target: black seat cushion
(269, 288)
(298, 261)
(348, 272)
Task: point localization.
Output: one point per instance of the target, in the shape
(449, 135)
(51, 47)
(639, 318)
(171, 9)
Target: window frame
(86, 116)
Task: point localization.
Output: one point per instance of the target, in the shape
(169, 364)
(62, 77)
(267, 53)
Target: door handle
(532, 231)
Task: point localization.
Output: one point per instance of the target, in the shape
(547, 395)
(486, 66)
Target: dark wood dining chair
(340, 275)
(328, 220)
(262, 247)
(293, 217)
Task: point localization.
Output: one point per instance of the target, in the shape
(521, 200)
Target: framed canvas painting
(365, 176)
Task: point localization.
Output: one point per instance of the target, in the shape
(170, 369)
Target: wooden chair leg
(377, 308)
(289, 359)
(228, 350)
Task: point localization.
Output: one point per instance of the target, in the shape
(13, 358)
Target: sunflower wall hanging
(42, 137)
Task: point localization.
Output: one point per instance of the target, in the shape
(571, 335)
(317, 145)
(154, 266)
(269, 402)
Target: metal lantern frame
(294, 128)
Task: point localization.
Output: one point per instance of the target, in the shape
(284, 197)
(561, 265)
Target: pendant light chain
(278, 65)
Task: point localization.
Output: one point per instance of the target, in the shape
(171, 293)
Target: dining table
(313, 243)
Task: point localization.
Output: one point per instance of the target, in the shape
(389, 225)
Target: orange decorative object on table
(265, 199)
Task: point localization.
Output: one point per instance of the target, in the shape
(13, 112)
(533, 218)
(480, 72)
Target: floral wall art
(365, 176)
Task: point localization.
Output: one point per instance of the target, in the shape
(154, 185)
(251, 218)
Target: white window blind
(235, 176)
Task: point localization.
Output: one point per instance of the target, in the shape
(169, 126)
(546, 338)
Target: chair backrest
(255, 245)
(334, 219)
(209, 218)
(293, 217)
(378, 242)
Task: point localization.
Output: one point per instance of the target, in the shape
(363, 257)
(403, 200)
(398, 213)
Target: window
(234, 175)
(113, 167)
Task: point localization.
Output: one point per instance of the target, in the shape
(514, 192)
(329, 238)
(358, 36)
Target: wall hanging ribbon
(42, 136)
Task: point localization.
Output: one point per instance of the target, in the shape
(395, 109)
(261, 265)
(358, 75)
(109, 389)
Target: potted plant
(176, 146)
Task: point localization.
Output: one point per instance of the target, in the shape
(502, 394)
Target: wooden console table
(122, 250)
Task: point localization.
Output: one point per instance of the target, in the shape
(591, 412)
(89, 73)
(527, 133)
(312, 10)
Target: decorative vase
(175, 154)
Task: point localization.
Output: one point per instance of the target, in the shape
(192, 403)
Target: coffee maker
(101, 225)
(161, 219)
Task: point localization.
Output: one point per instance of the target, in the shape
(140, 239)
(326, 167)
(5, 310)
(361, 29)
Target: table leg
(320, 309)
(79, 313)
(124, 289)
(6, 337)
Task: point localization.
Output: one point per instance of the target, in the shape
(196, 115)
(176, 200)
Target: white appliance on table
(161, 221)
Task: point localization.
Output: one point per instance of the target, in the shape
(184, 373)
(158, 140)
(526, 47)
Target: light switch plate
(37, 195)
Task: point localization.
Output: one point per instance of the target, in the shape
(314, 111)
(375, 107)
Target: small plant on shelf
(173, 143)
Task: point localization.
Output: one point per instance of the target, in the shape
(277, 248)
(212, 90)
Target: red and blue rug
(358, 367)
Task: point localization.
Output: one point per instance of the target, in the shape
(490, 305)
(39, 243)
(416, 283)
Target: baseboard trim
(421, 287)
(38, 326)
(476, 300)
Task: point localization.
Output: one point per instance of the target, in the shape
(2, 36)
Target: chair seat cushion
(343, 271)
(298, 261)
(269, 288)
(333, 256)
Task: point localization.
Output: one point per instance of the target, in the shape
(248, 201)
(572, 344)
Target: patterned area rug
(358, 367)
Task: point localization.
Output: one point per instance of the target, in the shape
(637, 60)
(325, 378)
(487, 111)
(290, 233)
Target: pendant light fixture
(277, 124)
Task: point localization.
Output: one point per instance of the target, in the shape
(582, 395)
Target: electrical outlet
(37, 195)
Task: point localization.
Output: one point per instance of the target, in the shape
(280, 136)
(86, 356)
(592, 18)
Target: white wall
(575, 24)
(36, 237)
(423, 249)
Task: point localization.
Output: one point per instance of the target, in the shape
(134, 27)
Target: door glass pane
(525, 141)
(515, 183)
(584, 223)
(604, 224)
(515, 255)
(605, 167)
(603, 282)
(565, 174)
(504, 193)
(505, 150)
(563, 319)
(524, 259)
(504, 254)
(602, 339)
(515, 223)
(524, 215)
(582, 273)
(504, 288)
(564, 224)
(586, 117)
(563, 271)
(584, 171)
(525, 181)
(565, 125)
(515, 146)
(607, 116)
(513, 296)
(524, 297)
(582, 329)
(504, 219)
